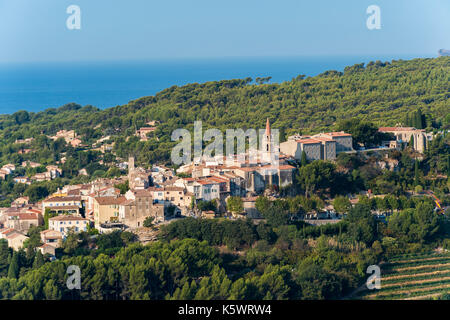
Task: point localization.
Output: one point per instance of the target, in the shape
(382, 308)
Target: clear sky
(35, 30)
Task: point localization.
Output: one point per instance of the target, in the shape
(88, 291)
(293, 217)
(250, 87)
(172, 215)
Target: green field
(420, 277)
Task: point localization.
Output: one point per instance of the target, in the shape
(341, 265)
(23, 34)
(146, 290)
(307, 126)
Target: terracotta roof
(387, 129)
(248, 169)
(109, 200)
(24, 216)
(308, 141)
(324, 139)
(218, 179)
(339, 134)
(49, 230)
(53, 199)
(173, 188)
(15, 235)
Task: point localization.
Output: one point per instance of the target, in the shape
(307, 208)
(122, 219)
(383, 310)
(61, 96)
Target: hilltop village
(205, 188)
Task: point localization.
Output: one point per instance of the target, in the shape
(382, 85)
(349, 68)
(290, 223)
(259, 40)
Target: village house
(177, 196)
(67, 223)
(143, 132)
(23, 180)
(30, 164)
(23, 221)
(54, 171)
(106, 209)
(24, 141)
(6, 170)
(63, 204)
(47, 249)
(138, 206)
(20, 202)
(51, 237)
(15, 238)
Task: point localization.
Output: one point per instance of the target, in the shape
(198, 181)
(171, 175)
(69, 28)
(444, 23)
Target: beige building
(322, 146)
(106, 209)
(51, 237)
(138, 206)
(63, 204)
(23, 221)
(65, 223)
(15, 238)
(403, 136)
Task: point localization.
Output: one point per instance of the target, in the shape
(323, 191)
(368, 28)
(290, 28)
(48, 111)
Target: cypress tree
(38, 260)
(416, 172)
(303, 161)
(13, 271)
(4, 256)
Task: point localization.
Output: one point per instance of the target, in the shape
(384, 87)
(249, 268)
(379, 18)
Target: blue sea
(38, 86)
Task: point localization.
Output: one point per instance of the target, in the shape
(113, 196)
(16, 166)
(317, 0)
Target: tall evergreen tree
(13, 271)
(303, 160)
(4, 257)
(38, 260)
(416, 172)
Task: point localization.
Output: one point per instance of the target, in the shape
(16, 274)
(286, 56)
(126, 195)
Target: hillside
(380, 92)
(413, 277)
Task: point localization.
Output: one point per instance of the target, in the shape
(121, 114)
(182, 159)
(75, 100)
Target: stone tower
(130, 164)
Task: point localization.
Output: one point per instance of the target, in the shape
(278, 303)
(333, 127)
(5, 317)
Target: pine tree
(13, 271)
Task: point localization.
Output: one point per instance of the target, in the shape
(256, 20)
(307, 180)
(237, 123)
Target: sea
(38, 86)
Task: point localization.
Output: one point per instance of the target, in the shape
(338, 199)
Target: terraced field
(414, 277)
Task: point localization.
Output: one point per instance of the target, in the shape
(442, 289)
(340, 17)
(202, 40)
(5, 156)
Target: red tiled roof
(339, 134)
(109, 200)
(308, 141)
(388, 129)
(54, 199)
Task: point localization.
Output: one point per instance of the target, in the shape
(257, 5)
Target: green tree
(38, 260)
(13, 271)
(303, 160)
(235, 204)
(148, 222)
(341, 204)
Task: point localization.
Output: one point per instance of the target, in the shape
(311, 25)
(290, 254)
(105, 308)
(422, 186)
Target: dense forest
(281, 257)
(223, 259)
(385, 93)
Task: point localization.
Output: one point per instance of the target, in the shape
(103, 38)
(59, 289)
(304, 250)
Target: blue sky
(33, 30)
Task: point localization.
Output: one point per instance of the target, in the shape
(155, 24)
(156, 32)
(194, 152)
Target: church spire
(267, 127)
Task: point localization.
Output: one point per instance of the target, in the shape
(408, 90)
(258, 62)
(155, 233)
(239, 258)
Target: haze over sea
(38, 86)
